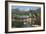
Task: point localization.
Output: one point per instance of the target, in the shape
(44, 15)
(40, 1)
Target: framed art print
(23, 16)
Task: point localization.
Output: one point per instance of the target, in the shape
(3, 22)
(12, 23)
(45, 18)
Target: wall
(2, 17)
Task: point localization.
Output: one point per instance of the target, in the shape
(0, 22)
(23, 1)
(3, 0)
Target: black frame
(6, 16)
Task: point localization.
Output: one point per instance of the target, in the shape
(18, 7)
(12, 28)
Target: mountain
(17, 11)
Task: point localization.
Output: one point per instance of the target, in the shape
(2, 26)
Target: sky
(26, 8)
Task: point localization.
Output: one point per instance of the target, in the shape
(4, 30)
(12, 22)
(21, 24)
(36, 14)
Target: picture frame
(24, 23)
